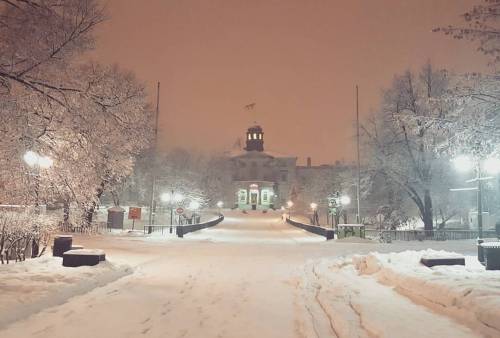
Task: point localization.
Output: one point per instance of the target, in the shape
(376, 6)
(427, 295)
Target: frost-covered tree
(40, 38)
(92, 120)
(482, 26)
(403, 135)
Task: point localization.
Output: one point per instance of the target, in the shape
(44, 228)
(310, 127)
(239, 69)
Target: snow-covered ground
(468, 293)
(250, 276)
(38, 284)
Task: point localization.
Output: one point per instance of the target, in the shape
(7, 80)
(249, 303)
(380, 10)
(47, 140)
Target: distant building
(263, 179)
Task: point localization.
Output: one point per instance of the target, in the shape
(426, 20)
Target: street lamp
(345, 200)
(490, 165)
(289, 205)
(220, 204)
(314, 208)
(37, 162)
(193, 206)
(172, 198)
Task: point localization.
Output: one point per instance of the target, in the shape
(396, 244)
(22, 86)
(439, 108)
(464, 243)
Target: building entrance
(254, 199)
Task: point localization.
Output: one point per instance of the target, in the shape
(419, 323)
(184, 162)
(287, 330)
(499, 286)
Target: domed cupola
(255, 139)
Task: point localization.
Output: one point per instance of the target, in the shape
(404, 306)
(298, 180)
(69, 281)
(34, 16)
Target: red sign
(134, 213)
(179, 210)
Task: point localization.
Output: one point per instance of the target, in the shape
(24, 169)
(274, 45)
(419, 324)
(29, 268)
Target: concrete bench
(431, 261)
(83, 257)
(62, 243)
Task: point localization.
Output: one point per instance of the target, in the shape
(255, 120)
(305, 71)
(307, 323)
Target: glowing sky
(299, 60)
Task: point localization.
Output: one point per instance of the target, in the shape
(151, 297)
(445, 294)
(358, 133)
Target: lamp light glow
(178, 197)
(463, 163)
(492, 165)
(345, 200)
(166, 197)
(194, 205)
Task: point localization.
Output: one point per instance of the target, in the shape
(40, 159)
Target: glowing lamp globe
(345, 200)
(463, 163)
(178, 197)
(166, 197)
(45, 162)
(31, 158)
(194, 205)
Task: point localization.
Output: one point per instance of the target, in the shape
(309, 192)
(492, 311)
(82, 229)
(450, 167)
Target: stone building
(261, 179)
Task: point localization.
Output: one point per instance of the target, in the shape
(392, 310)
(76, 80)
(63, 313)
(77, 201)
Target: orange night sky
(299, 60)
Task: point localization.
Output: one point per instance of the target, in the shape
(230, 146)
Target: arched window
(254, 136)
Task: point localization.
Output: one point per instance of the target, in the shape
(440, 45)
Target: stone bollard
(62, 243)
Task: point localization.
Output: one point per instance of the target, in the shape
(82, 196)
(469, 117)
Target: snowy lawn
(467, 293)
(37, 284)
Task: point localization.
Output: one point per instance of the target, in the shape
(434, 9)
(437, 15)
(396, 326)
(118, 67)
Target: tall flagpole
(358, 216)
(152, 206)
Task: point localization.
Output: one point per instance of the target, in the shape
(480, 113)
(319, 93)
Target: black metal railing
(437, 235)
(315, 229)
(181, 230)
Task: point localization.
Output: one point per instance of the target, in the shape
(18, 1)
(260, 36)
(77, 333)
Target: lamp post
(193, 206)
(289, 206)
(314, 208)
(491, 166)
(37, 162)
(172, 198)
(220, 204)
(336, 204)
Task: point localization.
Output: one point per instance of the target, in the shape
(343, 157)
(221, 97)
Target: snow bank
(31, 286)
(468, 293)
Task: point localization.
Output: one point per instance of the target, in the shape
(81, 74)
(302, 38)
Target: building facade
(260, 179)
(263, 179)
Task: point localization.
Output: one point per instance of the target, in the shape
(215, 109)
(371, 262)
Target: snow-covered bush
(20, 230)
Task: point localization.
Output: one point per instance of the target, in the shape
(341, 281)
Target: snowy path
(251, 276)
(343, 304)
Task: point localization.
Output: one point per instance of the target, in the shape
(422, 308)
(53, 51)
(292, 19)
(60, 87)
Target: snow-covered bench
(81, 257)
(431, 261)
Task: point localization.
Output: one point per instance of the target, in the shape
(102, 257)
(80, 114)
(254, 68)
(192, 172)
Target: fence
(315, 229)
(94, 228)
(181, 230)
(159, 228)
(437, 235)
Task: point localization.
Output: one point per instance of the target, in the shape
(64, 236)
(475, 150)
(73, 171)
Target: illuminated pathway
(251, 276)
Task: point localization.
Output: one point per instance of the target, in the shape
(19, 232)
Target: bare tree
(403, 135)
(482, 26)
(40, 38)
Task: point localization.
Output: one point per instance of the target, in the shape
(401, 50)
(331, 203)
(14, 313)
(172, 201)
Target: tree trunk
(89, 212)
(65, 213)
(427, 213)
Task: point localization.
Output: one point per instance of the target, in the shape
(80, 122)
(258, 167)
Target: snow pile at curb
(31, 286)
(469, 293)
